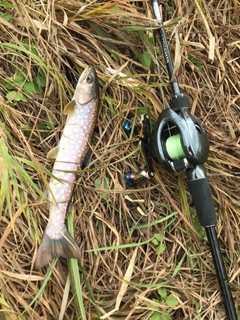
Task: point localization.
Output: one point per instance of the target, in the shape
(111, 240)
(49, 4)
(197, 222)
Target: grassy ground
(150, 235)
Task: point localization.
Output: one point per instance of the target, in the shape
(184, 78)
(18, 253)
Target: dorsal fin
(69, 108)
(52, 154)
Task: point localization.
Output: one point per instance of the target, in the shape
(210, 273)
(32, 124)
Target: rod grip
(203, 202)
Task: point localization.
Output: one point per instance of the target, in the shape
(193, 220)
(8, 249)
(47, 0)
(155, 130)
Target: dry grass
(54, 41)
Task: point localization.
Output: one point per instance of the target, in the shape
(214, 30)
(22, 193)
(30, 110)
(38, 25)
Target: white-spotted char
(69, 154)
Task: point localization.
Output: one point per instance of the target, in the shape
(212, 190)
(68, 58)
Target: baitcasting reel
(177, 142)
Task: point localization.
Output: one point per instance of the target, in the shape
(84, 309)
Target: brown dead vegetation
(204, 39)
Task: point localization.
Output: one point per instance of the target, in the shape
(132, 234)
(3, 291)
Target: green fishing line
(174, 147)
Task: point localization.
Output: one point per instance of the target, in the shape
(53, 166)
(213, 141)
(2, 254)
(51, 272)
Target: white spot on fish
(62, 174)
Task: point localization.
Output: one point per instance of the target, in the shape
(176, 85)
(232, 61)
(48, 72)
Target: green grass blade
(73, 265)
(121, 246)
(75, 277)
(43, 287)
(163, 283)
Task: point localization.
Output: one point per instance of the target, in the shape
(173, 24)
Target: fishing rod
(179, 143)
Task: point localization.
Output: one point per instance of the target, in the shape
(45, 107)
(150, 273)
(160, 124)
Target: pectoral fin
(69, 108)
(52, 154)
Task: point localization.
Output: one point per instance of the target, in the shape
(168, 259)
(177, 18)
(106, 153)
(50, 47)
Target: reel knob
(127, 126)
(134, 178)
(133, 122)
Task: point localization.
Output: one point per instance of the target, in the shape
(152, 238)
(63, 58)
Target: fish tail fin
(50, 248)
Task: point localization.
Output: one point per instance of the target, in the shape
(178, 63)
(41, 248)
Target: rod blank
(166, 52)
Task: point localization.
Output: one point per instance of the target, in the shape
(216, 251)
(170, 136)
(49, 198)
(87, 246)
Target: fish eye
(89, 79)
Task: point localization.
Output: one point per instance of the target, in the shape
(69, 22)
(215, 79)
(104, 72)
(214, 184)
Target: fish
(69, 155)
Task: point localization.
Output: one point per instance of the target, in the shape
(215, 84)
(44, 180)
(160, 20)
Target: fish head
(87, 87)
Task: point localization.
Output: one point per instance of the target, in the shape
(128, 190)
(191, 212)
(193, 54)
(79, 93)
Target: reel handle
(133, 178)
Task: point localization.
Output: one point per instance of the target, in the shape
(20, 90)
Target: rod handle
(200, 191)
